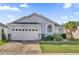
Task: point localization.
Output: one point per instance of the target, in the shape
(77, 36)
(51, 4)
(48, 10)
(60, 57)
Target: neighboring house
(33, 27)
(76, 33)
(5, 29)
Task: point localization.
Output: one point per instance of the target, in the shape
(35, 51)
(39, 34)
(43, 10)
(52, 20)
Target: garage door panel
(24, 35)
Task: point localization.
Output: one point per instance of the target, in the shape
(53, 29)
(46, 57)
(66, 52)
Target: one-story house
(3, 28)
(33, 27)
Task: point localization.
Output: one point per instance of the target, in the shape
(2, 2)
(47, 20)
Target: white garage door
(24, 34)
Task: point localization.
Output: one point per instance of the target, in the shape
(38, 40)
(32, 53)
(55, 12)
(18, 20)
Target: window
(12, 29)
(19, 29)
(16, 29)
(32, 29)
(22, 29)
(60, 30)
(49, 28)
(26, 29)
(36, 29)
(29, 29)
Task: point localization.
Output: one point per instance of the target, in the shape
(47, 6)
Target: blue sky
(57, 12)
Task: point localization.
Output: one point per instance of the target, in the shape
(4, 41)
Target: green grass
(60, 43)
(1, 43)
(59, 47)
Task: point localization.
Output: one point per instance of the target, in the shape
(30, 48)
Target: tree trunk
(71, 35)
(67, 35)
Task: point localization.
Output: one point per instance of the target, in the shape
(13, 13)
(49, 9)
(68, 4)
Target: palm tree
(70, 27)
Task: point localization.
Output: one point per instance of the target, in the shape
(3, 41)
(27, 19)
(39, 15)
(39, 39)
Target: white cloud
(5, 7)
(67, 5)
(24, 5)
(71, 16)
(64, 17)
(77, 13)
(10, 16)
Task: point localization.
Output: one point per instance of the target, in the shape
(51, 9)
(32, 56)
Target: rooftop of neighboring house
(3, 25)
(77, 23)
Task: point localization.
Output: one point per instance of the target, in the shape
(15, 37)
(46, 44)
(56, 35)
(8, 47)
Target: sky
(57, 12)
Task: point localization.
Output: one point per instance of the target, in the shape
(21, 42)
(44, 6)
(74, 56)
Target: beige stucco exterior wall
(76, 33)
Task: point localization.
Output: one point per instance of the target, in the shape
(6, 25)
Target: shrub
(50, 38)
(63, 36)
(57, 37)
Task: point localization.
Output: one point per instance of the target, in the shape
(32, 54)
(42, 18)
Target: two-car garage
(24, 33)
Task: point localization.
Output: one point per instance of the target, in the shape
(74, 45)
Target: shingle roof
(3, 25)
(37, 15)
(44, 18)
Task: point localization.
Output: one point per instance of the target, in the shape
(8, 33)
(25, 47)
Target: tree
(70, 27)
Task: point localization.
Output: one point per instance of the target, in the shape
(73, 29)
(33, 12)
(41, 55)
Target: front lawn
(60, 47)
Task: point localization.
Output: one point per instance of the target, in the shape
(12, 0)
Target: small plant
(57, 37)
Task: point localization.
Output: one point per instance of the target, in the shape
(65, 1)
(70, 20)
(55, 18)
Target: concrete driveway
(20, 48)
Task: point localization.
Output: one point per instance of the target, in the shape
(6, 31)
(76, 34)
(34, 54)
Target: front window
(49, 28)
